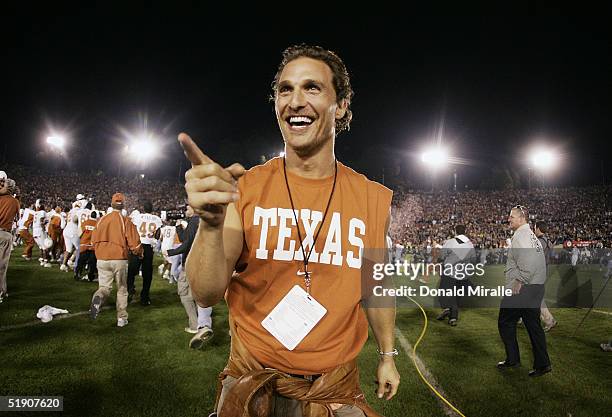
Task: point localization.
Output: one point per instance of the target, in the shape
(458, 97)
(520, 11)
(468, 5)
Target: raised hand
(210, 187)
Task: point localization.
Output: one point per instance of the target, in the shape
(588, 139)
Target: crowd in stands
(59, 188)
(419, 218)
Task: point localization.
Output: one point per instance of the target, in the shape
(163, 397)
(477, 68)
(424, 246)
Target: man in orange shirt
(115, 236)
(87, 254)
(264, 223)
(9, 207)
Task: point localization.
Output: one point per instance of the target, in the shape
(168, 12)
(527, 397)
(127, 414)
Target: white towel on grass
(46, 313)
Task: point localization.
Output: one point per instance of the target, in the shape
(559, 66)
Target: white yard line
(405, 344)
(607, 313)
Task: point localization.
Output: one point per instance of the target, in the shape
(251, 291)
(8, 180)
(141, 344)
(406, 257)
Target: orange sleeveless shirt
(271, 258)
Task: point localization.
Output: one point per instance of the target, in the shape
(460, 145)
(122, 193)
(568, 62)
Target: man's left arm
(382, 322)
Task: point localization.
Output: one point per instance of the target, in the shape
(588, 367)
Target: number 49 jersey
(147, 224)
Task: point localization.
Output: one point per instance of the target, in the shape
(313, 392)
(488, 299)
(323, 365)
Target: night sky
(490, 86)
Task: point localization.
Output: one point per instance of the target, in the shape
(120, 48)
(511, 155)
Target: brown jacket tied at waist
(114, 236)
(252, 394)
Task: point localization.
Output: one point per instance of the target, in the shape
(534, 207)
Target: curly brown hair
(341, 79)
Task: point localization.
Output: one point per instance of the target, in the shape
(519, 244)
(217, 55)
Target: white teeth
(300, 119)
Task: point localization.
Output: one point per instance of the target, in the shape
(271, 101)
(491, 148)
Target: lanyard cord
(307, 256)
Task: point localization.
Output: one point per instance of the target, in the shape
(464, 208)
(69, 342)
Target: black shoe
(452, 322)
(146, 302)
(504, 365)
(540, 371)
(76, 277)
(94, 308)
(445, 313)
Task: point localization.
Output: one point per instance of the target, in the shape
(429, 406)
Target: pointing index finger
(192, 151)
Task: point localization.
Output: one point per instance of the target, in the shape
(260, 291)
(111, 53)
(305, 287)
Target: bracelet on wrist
(394, 352)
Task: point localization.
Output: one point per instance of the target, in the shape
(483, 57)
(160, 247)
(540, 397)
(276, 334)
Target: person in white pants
(169, 241)
(71, 239)
(38, 230)
(200, 322)
(175, 267)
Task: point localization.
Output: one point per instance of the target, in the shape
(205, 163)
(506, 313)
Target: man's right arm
(212, 191)
(213, 257)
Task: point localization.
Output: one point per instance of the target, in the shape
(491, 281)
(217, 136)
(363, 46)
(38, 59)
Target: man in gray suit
(525, 275)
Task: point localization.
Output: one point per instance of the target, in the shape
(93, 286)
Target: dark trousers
(88, 258)
(452, 302)
(525, 305)
(134, 265)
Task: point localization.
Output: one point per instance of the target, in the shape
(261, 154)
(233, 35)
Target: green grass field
(146, 368)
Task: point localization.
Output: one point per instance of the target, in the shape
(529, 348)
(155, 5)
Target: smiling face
(306, 106)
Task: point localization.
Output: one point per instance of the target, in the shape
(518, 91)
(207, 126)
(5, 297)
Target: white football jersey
(24, 217)
(82, 215)
(82, 203)
(48, 216)
(73, 213)
(39, 222)
(168, 235)
(147, 224)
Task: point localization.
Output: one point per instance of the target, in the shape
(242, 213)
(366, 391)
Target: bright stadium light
(435, 157)
(543, 160)
(142, 150)
(56, 141)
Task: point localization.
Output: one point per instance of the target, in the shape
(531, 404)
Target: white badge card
(294, 317)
